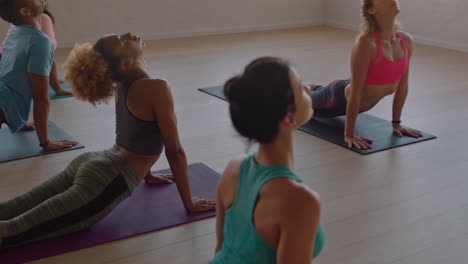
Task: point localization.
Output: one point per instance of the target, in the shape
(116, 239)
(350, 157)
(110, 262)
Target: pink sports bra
(383, 71)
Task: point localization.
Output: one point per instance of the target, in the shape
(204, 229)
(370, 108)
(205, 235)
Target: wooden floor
(402, 206)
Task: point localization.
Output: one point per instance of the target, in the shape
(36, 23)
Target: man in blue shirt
(24, 70)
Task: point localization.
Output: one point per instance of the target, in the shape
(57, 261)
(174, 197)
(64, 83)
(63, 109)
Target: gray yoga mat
(332, 129)
(26, 144)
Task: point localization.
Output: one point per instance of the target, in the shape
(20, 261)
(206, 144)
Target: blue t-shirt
(26, 50)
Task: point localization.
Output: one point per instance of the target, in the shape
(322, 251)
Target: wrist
(349, 134)
(396, 123)
(44, 143)
(188, 206)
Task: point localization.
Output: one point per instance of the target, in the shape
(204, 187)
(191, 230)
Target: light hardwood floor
(403, 206)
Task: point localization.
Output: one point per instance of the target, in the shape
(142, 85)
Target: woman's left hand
(159, 178)
(401, 131)
(200, 204)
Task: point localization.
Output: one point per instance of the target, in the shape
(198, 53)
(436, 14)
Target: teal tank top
(241, 242)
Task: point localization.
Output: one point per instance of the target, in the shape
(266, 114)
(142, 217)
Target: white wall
(442, 23)
(86, 20)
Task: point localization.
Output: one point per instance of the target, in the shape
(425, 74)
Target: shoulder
(153, 88)
(287, 192)
(231, 172)
(46, 20)
(229, 182)
(365, 45)
(408, 38)
(365, 41)
(40, 39)
(154, 83)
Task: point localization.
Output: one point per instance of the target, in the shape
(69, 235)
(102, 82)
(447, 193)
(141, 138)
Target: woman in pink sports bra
(379, 67)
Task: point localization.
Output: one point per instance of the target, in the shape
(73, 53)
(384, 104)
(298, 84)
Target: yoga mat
(150, 208)
(332, 129)
(25, 144)
(377, 129)
(52, 94)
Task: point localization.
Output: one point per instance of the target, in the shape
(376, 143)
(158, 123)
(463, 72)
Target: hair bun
(232, 89)
(260, 98)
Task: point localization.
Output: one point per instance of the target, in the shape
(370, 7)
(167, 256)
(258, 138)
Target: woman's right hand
(358, 142)
(60, 144)
(200, 204)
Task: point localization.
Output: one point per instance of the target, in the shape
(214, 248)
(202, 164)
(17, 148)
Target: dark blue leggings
(330, 100)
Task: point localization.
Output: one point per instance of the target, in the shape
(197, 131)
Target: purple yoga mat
(150, 208)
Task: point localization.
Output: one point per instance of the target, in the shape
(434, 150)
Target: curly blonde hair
(89, 75)
(370, 23)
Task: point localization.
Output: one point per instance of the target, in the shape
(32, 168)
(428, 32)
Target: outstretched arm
(361, 57)
(40, 60)
(400, 97)
(41, 108)
(48, 28)
(163, 108)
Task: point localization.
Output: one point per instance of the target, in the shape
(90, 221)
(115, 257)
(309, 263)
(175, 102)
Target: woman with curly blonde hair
(379, 67)
(95, 183)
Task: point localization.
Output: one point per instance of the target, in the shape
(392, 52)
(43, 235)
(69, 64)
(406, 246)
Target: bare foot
(63, 92)
(29, 126)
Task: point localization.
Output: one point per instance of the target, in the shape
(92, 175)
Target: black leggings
(330, 100)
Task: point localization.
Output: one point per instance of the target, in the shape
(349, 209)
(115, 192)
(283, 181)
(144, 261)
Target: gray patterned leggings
(90, 187)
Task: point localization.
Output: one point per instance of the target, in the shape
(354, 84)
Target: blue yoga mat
(52, 94)
(25, 144)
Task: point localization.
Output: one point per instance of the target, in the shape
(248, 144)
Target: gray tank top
(133, 134)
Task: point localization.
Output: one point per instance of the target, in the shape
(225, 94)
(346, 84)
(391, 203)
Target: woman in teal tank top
(265, 213)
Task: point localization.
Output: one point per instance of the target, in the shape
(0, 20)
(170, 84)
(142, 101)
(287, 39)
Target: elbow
(41, 103)
(175, 153)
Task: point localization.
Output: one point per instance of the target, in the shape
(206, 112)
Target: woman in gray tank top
(101, 180)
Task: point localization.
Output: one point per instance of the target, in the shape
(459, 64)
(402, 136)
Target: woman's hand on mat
(151, 178)
(59, 144)
(358, 142)
(401, 131)
(200, 204)
(63, 92)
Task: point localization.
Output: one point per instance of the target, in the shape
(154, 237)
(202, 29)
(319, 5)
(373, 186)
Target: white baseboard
(210, 31)
(417, 38)
(336, 24)
(440, 43)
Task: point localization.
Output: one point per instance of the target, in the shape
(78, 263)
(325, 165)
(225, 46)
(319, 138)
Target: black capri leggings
(330, 100)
